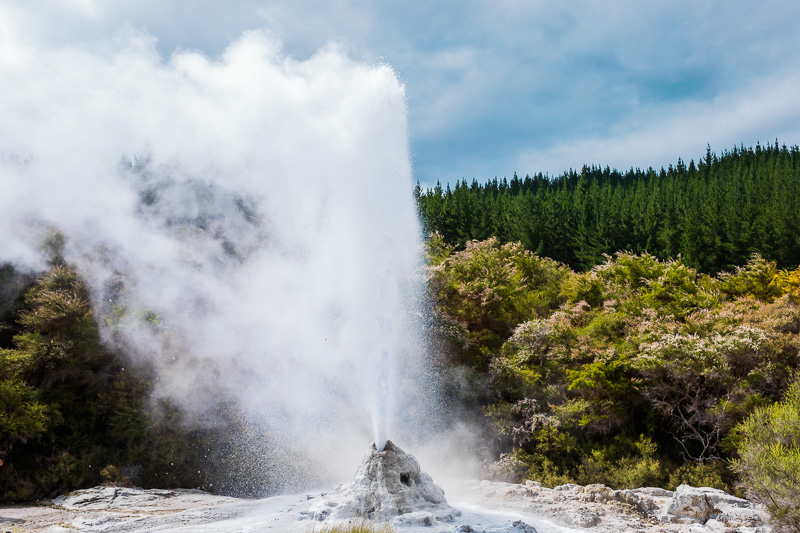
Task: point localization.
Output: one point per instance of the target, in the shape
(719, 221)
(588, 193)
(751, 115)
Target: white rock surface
(116, 497)
(704, 504)
(602, 509)
(477, 507)
(389, 485)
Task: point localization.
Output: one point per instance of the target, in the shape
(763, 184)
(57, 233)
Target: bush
(491, 288)
(756, 280)
(112, 474)
(586, 287)
(612, 466)
(769, 458)
(709, 474)
(789, 282)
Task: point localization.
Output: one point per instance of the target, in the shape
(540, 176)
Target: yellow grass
(361, 526)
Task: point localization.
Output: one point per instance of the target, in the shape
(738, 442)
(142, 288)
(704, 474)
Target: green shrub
(494, 287)
(112, 474)
(789, 283)
(623, 464)
(709, 474)
(23, 416)
(769, 458)
(756, 280)
(70, 405)
(586, 287)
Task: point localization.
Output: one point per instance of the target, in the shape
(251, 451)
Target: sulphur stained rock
(388, 486)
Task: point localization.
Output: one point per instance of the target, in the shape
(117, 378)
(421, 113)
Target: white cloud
(658, 135)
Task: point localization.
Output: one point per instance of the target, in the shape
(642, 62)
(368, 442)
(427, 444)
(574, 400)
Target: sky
(504, 86)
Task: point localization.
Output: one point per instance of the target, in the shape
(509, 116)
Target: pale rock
(693, 503)
(715, 526)
(741, 517)
(388, 484)
(654, 491)
(703, 503)
(522, 527)
(597, 493)
(642, 505)
(100, 498)
(567, 487)
(582, 518)
(417, 518)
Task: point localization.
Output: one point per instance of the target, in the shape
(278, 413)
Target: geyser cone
(389, 485)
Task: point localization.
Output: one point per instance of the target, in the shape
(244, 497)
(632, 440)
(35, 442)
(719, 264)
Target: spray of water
(259, 206)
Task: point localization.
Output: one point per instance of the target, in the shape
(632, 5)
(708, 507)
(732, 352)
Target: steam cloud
(261, 206)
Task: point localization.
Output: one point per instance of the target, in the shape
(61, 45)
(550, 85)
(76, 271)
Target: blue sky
(513, 86)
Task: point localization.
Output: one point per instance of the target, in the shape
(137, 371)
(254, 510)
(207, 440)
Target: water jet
(260, 206)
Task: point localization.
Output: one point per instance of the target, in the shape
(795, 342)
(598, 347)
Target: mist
(245, 223)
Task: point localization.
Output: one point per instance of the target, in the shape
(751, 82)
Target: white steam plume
(260, 205)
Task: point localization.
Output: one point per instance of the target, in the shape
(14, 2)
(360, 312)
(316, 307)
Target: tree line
(714, 214)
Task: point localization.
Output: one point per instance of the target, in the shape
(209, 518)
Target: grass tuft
(362, 526)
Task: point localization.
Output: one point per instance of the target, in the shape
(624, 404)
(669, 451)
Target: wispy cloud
(489, 81)
(657, 135)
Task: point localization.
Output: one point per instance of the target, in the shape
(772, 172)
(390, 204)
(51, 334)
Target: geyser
(258, 206)
(389, 485)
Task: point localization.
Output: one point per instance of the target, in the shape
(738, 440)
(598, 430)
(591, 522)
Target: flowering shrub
(634, 372)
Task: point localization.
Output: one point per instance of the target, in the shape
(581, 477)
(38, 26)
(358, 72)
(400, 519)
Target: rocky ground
(120, 509)
(390, 487)
(602, 509)
(482, 506)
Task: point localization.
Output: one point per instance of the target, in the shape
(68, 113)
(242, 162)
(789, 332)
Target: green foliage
(789, 283)
(635, 373)
(757, 279)
(490, 288)
(22, 416)
(69, 406)
(436, 249)
(112, 474)
(639, 342)
(714, 474)
(769, 462)
(624, 464)
(583, 287)
(668, 287)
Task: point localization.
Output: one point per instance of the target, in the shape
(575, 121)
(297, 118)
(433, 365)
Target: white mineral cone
(388, 484)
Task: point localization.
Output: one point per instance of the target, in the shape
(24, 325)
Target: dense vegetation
(74, 413)
(770, 457)
(714, 214)
(637, 372)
